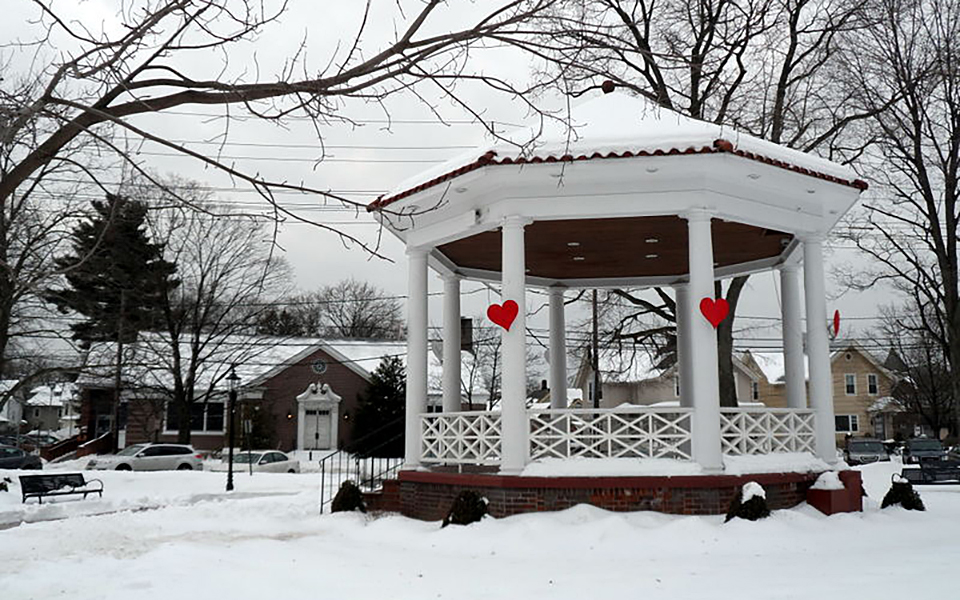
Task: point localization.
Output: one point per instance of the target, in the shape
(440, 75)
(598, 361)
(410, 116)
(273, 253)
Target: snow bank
(782, 462)
(828, 481)
(610, 467)
(785, 462)
(752, 489)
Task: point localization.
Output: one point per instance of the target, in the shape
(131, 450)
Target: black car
(15, 458)
(920, 449)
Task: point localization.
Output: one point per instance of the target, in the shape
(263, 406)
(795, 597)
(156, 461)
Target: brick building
(296, 394)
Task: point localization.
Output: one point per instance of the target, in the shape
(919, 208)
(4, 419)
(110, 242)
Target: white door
(316, 430)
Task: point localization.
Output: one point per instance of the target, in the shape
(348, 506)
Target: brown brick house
(297, 394)
(271, 381)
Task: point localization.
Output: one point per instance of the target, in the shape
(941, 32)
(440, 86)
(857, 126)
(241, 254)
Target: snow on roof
(52, 395)
(619, 125)
(148, 363)
(886, 404)
(256, 358)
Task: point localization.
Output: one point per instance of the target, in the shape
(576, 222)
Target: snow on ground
(266, 546)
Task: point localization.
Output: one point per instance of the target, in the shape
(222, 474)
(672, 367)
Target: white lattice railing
(460, 438)
(640, 432)
(767, 430)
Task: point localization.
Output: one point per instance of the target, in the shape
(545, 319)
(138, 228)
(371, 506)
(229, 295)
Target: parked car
(23, 442)
(863, 451)
(17, 458)
(262, 461)
(149, 457)
(919, 449)
(42, 440)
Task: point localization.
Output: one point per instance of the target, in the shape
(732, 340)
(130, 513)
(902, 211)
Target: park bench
(933, 472)
(57, 484)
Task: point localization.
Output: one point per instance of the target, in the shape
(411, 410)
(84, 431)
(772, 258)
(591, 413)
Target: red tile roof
(719, 146)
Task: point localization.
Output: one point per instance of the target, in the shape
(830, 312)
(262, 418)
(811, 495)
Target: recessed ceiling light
(579, 258)
(754, 176)
(573, 244)
(652, 240)
(652, 169)
(811, 191)
(460, 190)
(653, 256)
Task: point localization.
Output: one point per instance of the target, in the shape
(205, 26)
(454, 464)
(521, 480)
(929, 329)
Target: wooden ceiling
(616, 248)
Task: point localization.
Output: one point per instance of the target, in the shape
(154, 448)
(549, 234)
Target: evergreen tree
(380, 424)
(115, 276)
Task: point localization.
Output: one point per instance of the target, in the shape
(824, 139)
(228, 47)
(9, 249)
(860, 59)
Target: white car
(262, 461)
(150, 457)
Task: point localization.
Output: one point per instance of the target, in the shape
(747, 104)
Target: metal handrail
(368, 472)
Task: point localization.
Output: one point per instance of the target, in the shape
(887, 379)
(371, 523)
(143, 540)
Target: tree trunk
(183, 411)
(728, 386)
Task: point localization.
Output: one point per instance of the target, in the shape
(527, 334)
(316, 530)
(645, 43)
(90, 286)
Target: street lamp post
(233, 383)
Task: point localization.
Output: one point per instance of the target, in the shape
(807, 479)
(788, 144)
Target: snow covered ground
(267, 541)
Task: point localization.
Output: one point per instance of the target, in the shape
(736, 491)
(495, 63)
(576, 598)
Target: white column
(818, 348)
(451, 343)
(704, 382)
(558, 350)
(684, 365)
(515, 447)
(792, 336)
(416, 353)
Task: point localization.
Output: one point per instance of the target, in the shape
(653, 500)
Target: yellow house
(860, 381)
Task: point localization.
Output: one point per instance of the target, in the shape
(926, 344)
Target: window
(850, 384)
(203, 417)
(755, 390)
(847, 423)
(676, 386)
(873, 384)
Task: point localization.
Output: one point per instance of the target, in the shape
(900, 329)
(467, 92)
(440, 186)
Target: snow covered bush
(749, 504)
(902, 493)
(349, 498)
(468, 507)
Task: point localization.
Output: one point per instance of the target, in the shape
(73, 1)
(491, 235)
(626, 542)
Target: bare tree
(765, 66)
(924, 388)
(228, 276)
(908, 65)
(351, 309)
(70, 91)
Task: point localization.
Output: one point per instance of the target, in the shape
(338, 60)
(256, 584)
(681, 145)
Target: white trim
(876, 384)
(846, 384)
(851, 419)
(166, 431)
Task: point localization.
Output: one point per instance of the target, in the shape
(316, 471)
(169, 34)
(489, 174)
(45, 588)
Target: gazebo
(625, 194)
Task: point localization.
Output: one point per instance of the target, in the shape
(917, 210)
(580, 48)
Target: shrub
(750, 503)
(902, 493)
(468, 507)
(349, 498)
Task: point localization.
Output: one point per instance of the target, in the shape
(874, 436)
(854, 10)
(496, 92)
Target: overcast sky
(362, 160)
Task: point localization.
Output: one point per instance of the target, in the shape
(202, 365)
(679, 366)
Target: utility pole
(596, 354)
(117, 378)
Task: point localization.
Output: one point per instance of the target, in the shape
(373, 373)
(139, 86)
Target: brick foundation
(428, 496)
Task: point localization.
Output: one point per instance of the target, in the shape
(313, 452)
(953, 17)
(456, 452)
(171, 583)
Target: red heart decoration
(715, 311)
(836, 322)
(503, 315)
